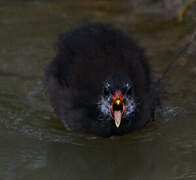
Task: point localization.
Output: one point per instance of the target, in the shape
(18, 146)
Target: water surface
(34, 145)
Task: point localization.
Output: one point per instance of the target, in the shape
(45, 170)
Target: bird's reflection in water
(108, 161)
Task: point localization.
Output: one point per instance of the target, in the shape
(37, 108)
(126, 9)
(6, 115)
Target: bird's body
(99, 75)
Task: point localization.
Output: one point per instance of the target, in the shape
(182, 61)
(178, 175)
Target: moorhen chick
(100, 82)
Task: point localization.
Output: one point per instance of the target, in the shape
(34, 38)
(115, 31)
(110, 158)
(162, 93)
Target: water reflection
(144, 160)
(135, 161)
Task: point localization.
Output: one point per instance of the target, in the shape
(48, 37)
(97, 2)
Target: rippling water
(34, 145)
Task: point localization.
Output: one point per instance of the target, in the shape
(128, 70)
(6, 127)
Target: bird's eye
(106, 91)
(129, 91)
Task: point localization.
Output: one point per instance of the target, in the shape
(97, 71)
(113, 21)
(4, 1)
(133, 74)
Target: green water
(34, 145)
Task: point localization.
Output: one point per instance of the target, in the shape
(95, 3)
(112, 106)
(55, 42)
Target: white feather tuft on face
(130, 106)
(104, 106)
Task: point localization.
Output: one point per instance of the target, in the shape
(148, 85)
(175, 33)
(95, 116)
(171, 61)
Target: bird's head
(117, 100)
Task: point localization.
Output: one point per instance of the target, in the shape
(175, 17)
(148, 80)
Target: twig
(184, 10)
(178, 55)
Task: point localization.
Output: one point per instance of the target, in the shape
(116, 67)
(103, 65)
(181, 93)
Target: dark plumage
(91, 63)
